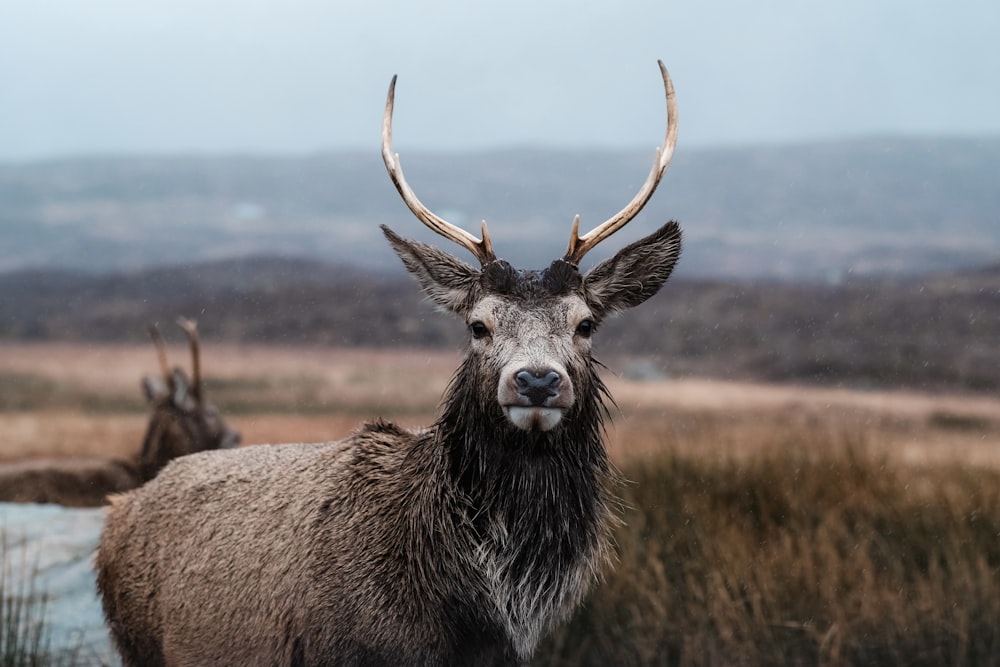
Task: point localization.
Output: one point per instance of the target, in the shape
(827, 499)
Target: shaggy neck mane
(542, 495)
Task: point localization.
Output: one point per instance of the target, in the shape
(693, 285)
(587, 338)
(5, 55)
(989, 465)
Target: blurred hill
(931, 331)
(817, 212)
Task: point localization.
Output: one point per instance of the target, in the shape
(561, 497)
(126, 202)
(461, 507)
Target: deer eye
(585, 328)
(479, 330)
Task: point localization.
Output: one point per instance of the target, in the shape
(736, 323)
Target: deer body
(367, 581)
(78, 482)
(462, 543)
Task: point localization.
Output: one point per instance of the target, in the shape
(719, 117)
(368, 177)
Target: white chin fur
(533, 419)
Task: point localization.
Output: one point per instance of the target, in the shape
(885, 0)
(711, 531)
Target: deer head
(530, 331)
(183, 422)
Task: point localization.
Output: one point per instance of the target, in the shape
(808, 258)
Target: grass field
(83, 400)
(763, 524)
(835, 557)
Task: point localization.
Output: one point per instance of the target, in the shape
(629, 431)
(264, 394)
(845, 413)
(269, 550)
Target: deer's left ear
(448, 281)
(636, 273)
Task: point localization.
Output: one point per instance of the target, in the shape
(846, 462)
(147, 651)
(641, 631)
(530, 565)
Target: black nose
(537, 385)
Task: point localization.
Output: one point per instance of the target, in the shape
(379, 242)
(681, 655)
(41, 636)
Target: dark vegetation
(932, 331)
(832, 558)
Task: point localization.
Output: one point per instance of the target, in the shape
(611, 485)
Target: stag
(182, 422)
(459, 544)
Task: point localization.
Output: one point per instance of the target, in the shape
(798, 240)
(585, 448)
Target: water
(56, 546)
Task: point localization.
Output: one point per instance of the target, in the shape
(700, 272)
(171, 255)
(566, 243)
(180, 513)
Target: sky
(304, 76)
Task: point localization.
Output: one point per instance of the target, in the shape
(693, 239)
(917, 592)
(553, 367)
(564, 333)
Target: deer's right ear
(635, 273)
(448, 281)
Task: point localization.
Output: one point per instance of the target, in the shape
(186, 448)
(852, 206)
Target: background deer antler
(191, 329)
(161, 351)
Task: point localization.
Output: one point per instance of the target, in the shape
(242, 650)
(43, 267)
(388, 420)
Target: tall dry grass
(821, 553)
(23, 633)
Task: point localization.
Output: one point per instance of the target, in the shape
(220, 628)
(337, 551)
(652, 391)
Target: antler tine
(161, 351)
(191, 329)
(482, 249)
(581, 245)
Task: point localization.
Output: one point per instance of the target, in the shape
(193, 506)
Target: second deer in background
(182, 422)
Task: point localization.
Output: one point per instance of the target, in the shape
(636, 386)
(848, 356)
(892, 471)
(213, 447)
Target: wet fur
(459, 544)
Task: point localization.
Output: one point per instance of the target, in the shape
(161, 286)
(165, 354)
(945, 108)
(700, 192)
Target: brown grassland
(761, 525)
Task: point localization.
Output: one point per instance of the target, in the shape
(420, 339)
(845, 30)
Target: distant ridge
(815, 212)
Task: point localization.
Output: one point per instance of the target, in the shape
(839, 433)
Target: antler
(482, 249)
(581, 245)
(191, 329)
(161, 351)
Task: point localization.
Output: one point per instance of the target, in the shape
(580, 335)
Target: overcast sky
(300, 76)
